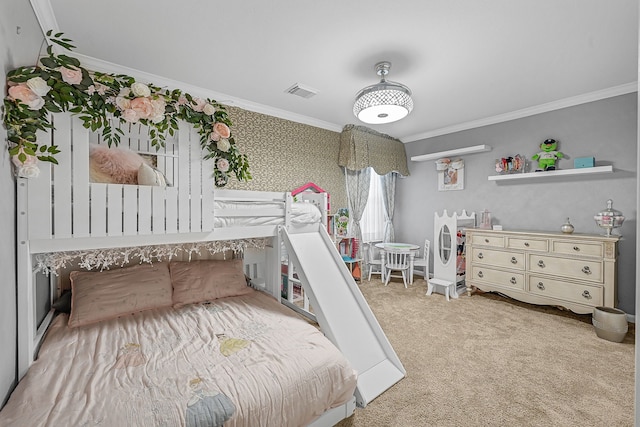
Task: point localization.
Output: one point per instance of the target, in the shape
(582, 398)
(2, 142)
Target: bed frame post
(26, 290)
(273, 264)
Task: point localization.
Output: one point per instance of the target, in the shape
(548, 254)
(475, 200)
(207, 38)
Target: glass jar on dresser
(576, 271)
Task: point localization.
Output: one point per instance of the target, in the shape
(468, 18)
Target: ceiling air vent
(302, 91)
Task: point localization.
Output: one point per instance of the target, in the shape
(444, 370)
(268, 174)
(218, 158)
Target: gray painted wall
(605, 129)
(15, 50)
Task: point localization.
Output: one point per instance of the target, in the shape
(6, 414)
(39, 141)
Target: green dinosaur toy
(548, 156)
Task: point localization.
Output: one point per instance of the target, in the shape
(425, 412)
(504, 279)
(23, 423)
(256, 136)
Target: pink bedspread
(240, 361)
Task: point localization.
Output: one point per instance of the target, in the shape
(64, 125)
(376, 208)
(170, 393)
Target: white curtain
(389, 195)
(373, 218)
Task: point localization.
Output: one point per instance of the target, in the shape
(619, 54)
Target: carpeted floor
(491, 361)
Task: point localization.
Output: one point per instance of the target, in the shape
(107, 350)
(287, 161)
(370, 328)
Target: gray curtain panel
(389, 196)
(357, 194)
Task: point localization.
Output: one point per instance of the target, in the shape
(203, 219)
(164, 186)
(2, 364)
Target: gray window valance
(361, 147)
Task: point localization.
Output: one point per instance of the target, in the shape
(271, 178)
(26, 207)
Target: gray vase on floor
(610, 323)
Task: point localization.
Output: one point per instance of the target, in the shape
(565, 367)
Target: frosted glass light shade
(384, 102)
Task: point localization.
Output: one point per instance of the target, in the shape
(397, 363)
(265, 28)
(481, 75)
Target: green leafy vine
(102, 101)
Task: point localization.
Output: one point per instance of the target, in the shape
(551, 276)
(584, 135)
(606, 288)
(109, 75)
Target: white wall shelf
(559, 172)
(451, 153)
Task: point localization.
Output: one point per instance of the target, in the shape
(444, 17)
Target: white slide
(342, 312)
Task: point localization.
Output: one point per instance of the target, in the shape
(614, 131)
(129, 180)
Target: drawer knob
(480, 274)
(586, 294)
(526, 244)
(514, 260)
(480, 256)
(576, 248)
(541, 264)
(541, 286)
(486, 240)
(513, 280)
(586, 269)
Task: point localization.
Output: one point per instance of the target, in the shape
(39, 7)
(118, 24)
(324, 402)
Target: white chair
(396, 260)
(423, 261)
(373, 259)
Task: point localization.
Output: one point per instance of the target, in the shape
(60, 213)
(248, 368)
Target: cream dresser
(575, 271)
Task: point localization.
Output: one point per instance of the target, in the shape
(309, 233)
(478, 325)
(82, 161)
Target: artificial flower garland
(59, 83)
(104, 259)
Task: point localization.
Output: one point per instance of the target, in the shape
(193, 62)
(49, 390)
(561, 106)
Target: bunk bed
(203, 357)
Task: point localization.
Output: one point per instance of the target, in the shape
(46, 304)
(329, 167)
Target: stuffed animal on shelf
(548, 156)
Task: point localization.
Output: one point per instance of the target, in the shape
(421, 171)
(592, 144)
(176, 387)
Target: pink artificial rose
(198, 104)
(72, 77)
(143, 107)
(26, 96)
(214, 136)
(222, 165)
(159, 106)
(222, 130)
(182, 100)
(130, 115)
(97, 87)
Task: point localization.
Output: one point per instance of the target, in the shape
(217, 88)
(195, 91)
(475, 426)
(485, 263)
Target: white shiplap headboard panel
(84, 209)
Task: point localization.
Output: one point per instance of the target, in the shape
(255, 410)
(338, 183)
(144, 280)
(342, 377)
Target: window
(372, 223)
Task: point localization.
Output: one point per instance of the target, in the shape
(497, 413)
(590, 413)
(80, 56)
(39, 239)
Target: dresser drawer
(487, 240)
(528, 244)
(579, 293)
(498, 277)
(575, 248)
(513, 260)
(591, 271)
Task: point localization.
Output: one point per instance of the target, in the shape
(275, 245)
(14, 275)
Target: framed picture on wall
(450, 174)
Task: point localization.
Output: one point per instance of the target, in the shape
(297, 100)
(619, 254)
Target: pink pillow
(98, 296)
(206, 280)
(115, 165)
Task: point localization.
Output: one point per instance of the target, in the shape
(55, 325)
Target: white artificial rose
(38, 86)
(209, 110)
(36, 104)
(223, 145)
(123, 103)
(140, 89)
(157, 117)
(28, 171)
(198, 104)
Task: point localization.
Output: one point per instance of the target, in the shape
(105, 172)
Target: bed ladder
(342, 311)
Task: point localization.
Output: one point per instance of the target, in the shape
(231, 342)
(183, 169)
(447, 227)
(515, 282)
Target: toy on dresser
(548, 156)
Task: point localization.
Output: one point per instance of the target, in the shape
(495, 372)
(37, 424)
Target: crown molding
(530, 111)
(45, 16)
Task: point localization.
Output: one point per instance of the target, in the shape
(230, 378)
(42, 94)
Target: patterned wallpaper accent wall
(284, 155)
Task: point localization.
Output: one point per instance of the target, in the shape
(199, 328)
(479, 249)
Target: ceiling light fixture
(384, 102)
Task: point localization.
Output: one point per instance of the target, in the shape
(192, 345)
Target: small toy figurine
(548, 156)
